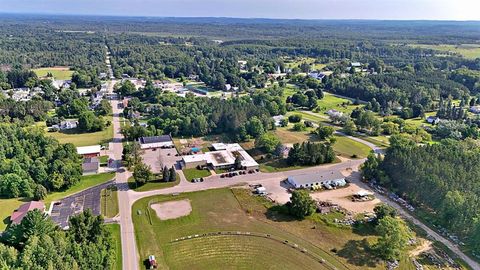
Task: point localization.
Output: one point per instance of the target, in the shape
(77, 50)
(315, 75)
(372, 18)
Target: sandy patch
(341, 197)
(173, 209)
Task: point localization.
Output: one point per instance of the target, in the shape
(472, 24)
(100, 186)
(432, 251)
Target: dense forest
(448, 170)
(33, 163)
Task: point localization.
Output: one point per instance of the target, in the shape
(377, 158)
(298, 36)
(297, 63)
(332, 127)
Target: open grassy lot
(84, 139)
(293, 63)
(59, 73)
(7, 206)
(235, 210)
(349, 148)
(470, 51)
(109, 202)
(115, 231)
(333, 102)
(195, 173)
(151, 185)
(86, 181)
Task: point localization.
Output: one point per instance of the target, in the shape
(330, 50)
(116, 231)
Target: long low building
(223, 157)
(316, 179)
(153, 142)
(89, 151)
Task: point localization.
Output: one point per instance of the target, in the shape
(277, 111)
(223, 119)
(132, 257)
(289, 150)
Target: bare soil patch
(172, 209)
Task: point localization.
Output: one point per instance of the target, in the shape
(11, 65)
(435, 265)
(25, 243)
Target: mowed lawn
(115, 231)
(151, 185)
(195, 173)
(333, 102)
(218, 211)
(59, 73)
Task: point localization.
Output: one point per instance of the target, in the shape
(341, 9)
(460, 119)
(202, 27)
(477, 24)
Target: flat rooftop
(155, 139)
(319, 177)
(92, 149)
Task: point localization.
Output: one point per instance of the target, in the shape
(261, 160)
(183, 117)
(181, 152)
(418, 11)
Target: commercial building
(90, 165)
(223, 157)
(89, 151)
(334, 178)
(153, 142)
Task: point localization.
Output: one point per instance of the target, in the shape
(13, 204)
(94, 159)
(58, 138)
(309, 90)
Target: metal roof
(155, 139)
(319, 177)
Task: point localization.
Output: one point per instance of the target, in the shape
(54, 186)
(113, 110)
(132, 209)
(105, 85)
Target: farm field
(115, 231)
(59, 73)
(469, 51)
(235, 210)
(333, 102)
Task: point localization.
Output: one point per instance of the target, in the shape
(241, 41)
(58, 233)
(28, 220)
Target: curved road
(127, 197)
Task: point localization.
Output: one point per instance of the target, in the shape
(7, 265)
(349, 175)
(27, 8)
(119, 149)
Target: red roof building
(20, 213)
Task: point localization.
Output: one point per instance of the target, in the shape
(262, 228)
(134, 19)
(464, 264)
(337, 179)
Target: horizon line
(225, 17)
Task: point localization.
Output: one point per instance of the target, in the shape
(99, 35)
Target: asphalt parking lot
(160, 157)
(76, 203)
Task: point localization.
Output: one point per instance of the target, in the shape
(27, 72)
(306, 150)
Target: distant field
(330, 101)
(297, 62)
(59, 73)
(470, 51)
(220, 210)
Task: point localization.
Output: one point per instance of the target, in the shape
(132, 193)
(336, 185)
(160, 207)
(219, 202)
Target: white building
(315, 179)
(89, 151)
(164, 141)
(223, 157)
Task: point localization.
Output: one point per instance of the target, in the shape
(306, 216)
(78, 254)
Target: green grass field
(213, 211)
(332, 102)
(59, 73)
(109, 202)
(469, 51)
(347, 147)
(86, 181)
(115, 231)
(151, 185)
(195, 173)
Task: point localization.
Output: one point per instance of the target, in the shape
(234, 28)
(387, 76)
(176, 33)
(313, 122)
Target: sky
(287, 9)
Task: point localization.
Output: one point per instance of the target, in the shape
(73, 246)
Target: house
(90, 165)
(316, 179)
(334, 113)
(89, 151)
(278, 120)
(433, 120)
(475, 109)
(223, 157)
(356, 64)
(64, 125)
(102, 75)
(153, 142)
(22, 211)
(316, 75)
(228, 87)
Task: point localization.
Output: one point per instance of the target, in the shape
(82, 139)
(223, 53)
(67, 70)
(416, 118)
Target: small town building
(223, 157)
(68, 124)
(316, 179)
(278, 120)
(90, 165)
(334, 113)
(154, 142)
(89, 151)
(22, 211)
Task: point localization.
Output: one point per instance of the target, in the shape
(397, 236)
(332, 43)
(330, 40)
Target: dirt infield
(173, 209)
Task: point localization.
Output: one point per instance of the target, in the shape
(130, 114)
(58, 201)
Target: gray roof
(155, 139)
(302, 179)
